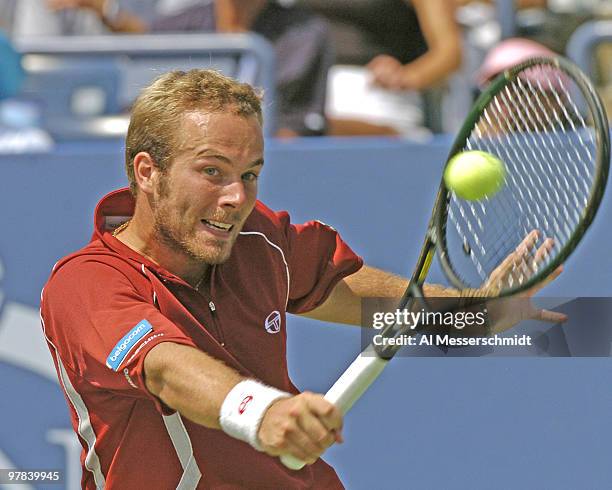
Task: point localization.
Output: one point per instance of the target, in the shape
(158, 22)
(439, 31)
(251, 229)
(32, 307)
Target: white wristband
(244, 408)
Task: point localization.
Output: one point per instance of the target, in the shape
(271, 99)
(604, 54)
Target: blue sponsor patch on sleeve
(127, 343)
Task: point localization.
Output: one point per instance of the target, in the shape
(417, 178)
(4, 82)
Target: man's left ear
(146, 172)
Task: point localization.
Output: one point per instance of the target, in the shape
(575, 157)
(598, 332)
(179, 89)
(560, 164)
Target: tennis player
(168, 329)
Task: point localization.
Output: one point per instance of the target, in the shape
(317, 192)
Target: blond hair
(157, 112)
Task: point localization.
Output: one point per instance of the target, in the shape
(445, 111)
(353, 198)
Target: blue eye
(250, 177)
(212, 171)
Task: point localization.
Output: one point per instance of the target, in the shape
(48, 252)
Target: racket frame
(601, 170)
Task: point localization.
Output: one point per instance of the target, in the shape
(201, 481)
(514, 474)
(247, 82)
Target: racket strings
(581, 154)
(520, 271)
(522, 127)
(511, 207)
(551, 200)
(571, 116)
(534, 125)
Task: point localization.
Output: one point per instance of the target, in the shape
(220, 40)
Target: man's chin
(214, 254)
(216, 259)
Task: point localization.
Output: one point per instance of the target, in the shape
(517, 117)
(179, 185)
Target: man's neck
(142, 240)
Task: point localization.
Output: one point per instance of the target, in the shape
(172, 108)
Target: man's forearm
(189, 381)
(207, 392)
(370, 282)
(344, 303)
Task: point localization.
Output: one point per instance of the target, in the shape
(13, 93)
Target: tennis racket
(544, 120)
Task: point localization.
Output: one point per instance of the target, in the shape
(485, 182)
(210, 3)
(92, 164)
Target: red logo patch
(243, 404)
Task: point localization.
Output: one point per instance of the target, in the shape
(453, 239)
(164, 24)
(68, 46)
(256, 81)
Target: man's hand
(519, 266)
(303, 426)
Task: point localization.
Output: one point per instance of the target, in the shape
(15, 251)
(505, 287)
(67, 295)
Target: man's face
(209, 189)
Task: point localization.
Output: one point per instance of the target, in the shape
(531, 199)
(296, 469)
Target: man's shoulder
(267, 223)
(93, 263)
(263, 218)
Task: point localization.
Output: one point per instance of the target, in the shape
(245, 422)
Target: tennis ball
(473, 175)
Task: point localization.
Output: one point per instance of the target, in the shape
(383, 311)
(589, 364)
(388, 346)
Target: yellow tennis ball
(473, 175)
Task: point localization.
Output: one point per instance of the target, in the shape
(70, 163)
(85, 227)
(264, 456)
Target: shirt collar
(112, 211)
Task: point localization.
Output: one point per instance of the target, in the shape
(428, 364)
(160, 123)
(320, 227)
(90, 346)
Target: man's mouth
(217, 225)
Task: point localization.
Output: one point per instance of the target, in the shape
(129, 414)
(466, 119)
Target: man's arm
(196, 385)
(344, 303)
(169, 373)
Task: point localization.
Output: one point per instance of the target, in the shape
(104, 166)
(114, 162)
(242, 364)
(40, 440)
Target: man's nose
(233, 195)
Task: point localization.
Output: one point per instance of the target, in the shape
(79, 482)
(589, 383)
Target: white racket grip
(353, 383)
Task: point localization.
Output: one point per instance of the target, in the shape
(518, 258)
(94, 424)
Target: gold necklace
(121, 227)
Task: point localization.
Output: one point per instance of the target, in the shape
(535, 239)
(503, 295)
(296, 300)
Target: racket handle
(348, 389)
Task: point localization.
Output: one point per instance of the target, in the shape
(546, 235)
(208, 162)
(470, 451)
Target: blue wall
(452, 423)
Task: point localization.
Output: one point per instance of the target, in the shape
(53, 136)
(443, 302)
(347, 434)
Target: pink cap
(507, 54)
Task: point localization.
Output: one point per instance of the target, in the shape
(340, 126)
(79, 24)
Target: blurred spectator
(404, 47)
(11, 74)
(408, 44)
(549, 22)
(547, 89)
(33, 18)
(19, 119)
(301, 40)
(507, 54)
(517, 3)
(128, 16)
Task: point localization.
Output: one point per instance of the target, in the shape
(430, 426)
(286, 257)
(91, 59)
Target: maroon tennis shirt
(104, 308)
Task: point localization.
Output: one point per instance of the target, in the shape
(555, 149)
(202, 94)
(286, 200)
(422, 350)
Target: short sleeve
(102, 326)
(318, 260)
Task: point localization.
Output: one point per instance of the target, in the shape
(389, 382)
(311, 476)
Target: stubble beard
(185, 243)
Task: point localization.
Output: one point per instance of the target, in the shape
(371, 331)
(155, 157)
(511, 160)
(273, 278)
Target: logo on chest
(273, 322)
